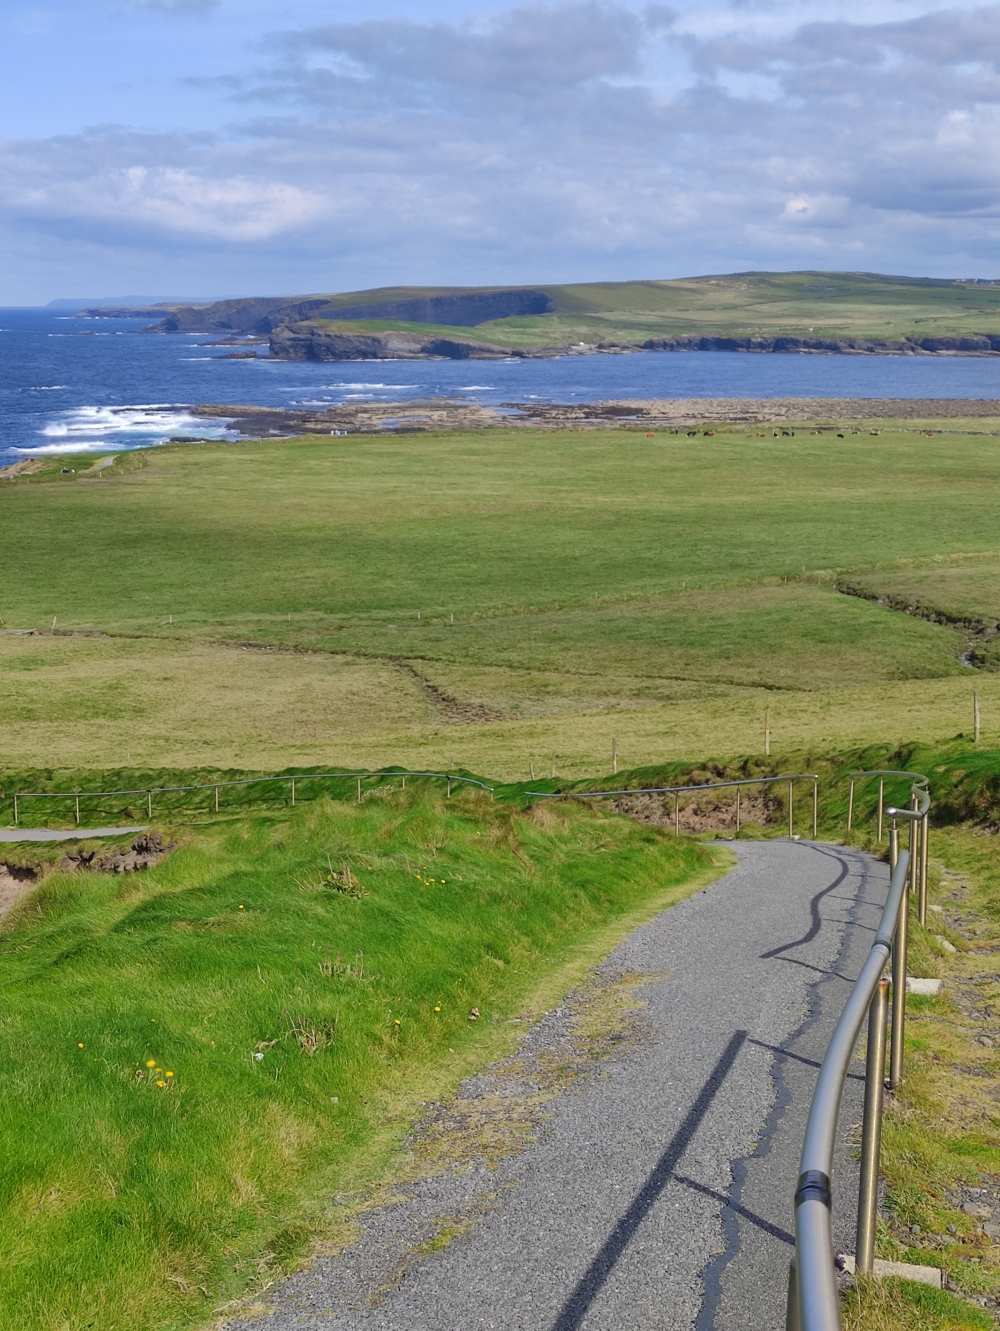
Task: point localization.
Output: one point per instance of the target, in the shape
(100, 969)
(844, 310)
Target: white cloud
(584, 138)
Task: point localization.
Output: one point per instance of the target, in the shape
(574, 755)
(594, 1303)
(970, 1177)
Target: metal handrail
(150, 791)
(813, 1303)
(677, 791)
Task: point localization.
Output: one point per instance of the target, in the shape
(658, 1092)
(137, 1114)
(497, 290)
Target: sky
(234, 147)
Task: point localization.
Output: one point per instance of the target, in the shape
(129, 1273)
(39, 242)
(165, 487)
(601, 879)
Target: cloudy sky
(222, 147)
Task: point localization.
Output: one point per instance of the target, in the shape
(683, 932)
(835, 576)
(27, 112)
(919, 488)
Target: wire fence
(148, 794)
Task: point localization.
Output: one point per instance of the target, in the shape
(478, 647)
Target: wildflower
(438, 1008)
(150, 1062)
(396, 1022)
(161, 1083)
(79, 1046)
(170, 1074)
(241, 908)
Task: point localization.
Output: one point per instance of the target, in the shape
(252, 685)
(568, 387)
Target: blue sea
(98, 385)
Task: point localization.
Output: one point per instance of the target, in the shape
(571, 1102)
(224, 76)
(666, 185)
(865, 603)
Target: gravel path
(657, 1190)
(12, 834)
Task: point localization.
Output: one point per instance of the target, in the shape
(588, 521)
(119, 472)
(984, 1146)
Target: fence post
(78, 810)
(815, 807)
(737, 810)
(677, 815)
(149, 802)
(359, 790)
(448, 796)
(871, 1139)
(15, 810)
(789, 810)
(850, 806)
(216, 799)
(293, 792)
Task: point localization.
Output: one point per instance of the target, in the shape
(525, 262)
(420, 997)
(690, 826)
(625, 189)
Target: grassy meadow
(491, 599)
(496, 602)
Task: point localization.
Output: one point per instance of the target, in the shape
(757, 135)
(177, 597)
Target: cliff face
(262, 315)
(313, 341)
(976, 342)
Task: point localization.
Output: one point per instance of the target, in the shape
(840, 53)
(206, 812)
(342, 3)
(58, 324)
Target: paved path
(658, 1194)
(47, 834)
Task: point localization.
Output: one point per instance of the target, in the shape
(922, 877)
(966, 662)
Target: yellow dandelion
(79, 1046)
(161, 1083)
(241, 908)
(150, 1062)
(396, 1022)
(438, 1008)
(170, 1074)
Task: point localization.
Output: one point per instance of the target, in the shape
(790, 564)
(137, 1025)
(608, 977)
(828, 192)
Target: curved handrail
(814, 1303)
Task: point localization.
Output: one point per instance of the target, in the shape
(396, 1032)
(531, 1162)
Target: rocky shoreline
(442, 413)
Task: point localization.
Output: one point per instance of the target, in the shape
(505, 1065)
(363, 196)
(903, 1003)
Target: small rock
(915, 1229)
(975, 1208)
(985, 1040)
(474, 1014)
(992, 1230)
(943, 942)
(952, 1229)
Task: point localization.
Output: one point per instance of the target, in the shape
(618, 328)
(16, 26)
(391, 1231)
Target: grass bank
(193, 1060)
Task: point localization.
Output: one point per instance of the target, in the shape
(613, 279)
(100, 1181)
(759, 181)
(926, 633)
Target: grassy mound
(191, 1056)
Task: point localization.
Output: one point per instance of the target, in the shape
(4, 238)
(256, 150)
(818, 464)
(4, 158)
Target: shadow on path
(596, 1276)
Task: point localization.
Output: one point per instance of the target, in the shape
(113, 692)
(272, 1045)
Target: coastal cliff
(318, 340)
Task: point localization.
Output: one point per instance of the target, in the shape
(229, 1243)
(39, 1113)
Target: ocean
(97, 385)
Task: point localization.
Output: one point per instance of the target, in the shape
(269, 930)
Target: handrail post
(914, 846)
(881, 805)
(815, 806)
(922, 905)
(738, 789)
(871, 1140)
(899, 990)
(15, 810)
(850, 806)
(789, 810)
(893, 847)
(793, 1313)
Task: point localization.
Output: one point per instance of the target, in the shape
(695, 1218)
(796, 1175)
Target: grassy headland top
(812, 307)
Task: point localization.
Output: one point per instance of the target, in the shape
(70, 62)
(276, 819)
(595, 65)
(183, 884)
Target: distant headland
(802, 312)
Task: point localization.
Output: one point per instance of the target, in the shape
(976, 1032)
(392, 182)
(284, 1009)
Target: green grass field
(491, 599)
(495, 601)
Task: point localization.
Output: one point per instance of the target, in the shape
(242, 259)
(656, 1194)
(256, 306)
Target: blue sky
(217, 147)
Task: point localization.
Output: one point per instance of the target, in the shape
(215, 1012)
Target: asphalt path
(659, 1193)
